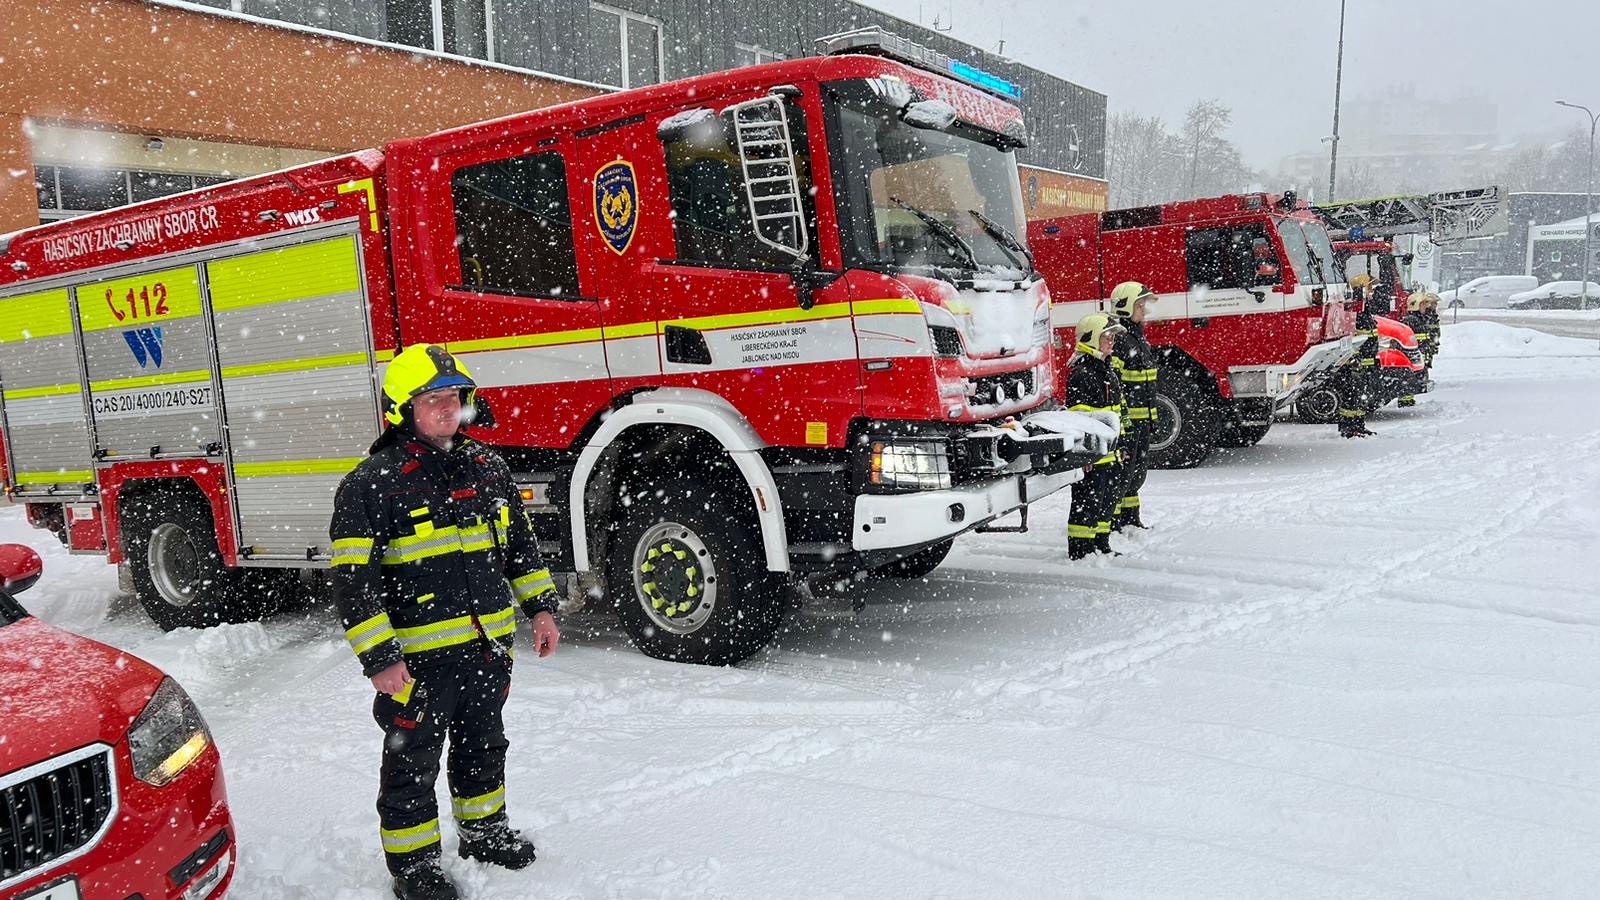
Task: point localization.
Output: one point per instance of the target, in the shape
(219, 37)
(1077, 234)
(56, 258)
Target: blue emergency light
(984, 79)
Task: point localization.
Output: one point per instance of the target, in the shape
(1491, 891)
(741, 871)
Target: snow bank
(1492, 340)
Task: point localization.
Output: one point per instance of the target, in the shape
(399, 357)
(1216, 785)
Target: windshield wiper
(1008, 242)
(942, 230)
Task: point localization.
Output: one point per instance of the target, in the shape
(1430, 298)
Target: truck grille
(1012, 386)
(53, 813)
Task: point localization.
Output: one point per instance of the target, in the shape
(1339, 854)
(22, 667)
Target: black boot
(1079, 548)
(424, 882)
(1102, 544)
(497, 845)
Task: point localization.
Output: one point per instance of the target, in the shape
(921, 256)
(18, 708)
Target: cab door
(502, 289)
(724, 274)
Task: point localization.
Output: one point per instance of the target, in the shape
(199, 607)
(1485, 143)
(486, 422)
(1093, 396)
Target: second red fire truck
(1251, 308)
(778, 319)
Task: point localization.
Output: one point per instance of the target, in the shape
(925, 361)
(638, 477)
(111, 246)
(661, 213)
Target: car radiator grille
(54, 813)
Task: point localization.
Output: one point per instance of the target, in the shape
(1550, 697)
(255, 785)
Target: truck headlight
(908, 465)
(168, 736)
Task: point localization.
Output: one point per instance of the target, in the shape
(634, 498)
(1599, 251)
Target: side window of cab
(711, 209)
(514, 227)
(1238, 256)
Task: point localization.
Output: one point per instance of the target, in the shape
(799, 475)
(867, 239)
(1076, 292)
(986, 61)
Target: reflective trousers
(460, 699)
(1094, 501)
(1134, 470)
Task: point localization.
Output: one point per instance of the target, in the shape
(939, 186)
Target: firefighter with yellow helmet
(1093, 386)
(1416, 318)
(432, 553)
(1135, 364)
(1354, 382)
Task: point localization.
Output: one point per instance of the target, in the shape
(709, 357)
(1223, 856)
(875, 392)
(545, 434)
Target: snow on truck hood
(997, 321)
(59, 692)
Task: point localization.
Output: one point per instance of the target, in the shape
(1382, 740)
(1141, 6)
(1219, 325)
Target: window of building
(87, 190)
(1222, 258)
(514, 227)
(67, 191)
(710, 213)
(624, 47)
(462, 27)
(753, 55)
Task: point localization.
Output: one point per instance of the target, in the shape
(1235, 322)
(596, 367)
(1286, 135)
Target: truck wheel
(1187, 423)
(1318, 407)
(177, 569)
(688, 574)
(917, 564)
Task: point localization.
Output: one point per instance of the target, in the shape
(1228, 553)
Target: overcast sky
(1273, 61)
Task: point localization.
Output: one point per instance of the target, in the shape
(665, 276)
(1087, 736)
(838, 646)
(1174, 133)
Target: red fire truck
(1251, 308)
(775, 317)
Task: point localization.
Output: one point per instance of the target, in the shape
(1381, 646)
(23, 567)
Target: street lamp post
(1588, 206)
(1338, 81)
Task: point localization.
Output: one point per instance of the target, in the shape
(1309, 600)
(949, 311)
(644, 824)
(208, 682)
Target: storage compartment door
(46, 428)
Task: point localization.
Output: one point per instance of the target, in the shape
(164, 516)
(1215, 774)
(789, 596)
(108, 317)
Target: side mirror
(807, 278)
(20, 567)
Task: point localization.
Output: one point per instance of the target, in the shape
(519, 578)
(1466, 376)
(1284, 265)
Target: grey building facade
(628, 43)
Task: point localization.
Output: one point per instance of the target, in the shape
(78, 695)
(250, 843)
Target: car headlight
(909, 465)
(168, 736)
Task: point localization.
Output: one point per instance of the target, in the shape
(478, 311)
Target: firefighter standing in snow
(1416, 319)
(1354, 382)
(1135, 365)
(1093, 386)
(427, 532)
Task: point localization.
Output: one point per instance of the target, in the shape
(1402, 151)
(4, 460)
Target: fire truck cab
(1251, 307)
(776, 321)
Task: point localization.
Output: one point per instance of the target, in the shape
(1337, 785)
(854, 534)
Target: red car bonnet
(59, 691)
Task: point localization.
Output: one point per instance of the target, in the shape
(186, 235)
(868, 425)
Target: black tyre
(688, 575)
(917, 564)
(1187, 423)
(177, 570)
(1319, 406)
(1236, 435)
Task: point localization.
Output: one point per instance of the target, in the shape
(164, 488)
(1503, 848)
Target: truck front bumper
(890, 521)
(1280, 384)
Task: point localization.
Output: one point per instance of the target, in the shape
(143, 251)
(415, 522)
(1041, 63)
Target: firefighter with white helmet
(1093, 386)
(1416, 318)
(1135, 364)
(432, 552)
(1354, 381)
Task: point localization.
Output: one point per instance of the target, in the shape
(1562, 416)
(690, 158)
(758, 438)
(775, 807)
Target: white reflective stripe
(371, 633)
(352, 551)
(480, 807)
(439, 634)
(533, 584)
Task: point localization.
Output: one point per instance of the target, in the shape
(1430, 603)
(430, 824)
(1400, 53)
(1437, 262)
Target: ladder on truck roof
(1445, 217)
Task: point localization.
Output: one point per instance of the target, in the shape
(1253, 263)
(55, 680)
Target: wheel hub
(174, 564)
(674, 578)
(1169, 422)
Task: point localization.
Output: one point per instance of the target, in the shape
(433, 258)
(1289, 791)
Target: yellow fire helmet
(1417, 302)
(1091, 328)
(1125, 296)
(1430, 300)
(1361, 281)
(418, 369)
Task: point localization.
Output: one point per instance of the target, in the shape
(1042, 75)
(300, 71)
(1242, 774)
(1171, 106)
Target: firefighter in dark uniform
(1430, 314)
(1093, 386)
(432, 553)
(1354, 383)
(1135, 365)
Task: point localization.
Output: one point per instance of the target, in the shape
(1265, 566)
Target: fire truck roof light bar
(886, 43)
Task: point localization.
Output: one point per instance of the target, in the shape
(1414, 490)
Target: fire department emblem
(616, 204)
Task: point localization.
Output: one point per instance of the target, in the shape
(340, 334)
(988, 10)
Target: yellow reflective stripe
(1084, 407)
(61, 476)
(352, 551)
(40, 315)
(1106, 459)
(1080, 531)
(532, 584)
(475, 538)
(412, 548)
(1369, 362)
(1102, 528)
(499, 624)
(897, 306)
(383, 355)
(523, 341)
(1130, 502)
(139, 381)
(479, 807)
(1352, 413)
(764, 317)
(292, 273)
(297, 467)
(632, 329)
(405, 840)
(437, 634)
(370, 633)
(49, 390)
(295, 365)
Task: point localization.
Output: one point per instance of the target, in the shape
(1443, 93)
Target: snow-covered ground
(1333, 668)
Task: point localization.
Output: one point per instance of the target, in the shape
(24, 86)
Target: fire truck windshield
(918, 198)
(1311, 264)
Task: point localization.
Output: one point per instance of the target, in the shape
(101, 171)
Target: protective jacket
(1135, 364)
(432, 551)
